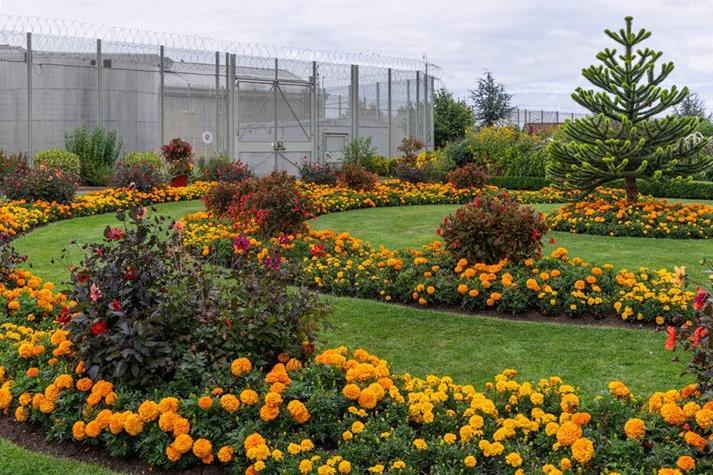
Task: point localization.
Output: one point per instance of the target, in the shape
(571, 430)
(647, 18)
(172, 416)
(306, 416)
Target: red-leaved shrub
(42, 183)
(272, 204)
(467, 176)
(492, 228)
(357, 177)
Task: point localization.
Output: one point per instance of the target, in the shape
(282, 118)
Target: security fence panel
(334, 111)
(130, 102)
(401, 108)
(373, 107)
(13, 92)
(271, 107)
(65, 80)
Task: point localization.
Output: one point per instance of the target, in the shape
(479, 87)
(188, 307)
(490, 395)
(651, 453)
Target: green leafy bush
(35, 184)
(98, 150)
(492, 228)
(273, 204)
(58, 159)
(149, 313)
(461, 152)
(358, 150)
(221, 168)
(467, 176)
(141, 170)
(312, 172)
(507, 151)
(519, 182)
(377, 164)
(357, 177)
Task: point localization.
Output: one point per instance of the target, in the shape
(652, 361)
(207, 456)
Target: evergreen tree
(692, 106)
(627, 137)
(451, 118)
(491, 102)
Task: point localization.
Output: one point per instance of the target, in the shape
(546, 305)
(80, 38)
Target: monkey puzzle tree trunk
(632, 192)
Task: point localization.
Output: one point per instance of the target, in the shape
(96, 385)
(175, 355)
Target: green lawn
(413, 226)
(18, 461)
(473, 349)
(46, 243)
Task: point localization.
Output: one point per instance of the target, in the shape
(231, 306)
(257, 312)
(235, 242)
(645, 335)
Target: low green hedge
(518, 182)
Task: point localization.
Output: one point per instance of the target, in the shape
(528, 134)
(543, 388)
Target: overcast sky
(535, 47)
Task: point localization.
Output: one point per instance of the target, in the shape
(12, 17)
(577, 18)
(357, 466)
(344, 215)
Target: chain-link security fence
(270, 107)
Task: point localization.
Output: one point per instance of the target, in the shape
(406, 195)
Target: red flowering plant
(693, 335)
(273, 205)
(492, 228)
(178, 154)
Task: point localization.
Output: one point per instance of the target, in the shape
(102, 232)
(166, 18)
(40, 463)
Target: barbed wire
(63, 31)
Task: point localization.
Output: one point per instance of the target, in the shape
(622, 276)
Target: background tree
(627, 138)
(490, 101)
(692, 106)
(451, 117)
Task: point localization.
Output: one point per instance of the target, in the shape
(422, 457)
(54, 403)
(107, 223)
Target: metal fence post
(217, 101)
(100, 65)
(275, 110)
(314, 119)
(28, 58)
(432, 115)
(388, 112)
(408, 108)
(354, 101)
(418, 106)
(231, 118)
(162, 93)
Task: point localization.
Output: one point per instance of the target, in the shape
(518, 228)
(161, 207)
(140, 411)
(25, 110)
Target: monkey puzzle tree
(627, 138)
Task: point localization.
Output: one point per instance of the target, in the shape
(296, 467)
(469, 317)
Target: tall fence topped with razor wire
(268, 106)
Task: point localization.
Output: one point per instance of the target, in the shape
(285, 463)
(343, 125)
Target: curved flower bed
(556, 285)
(342, 412)
(331, 199)
(608, 214)
(21, 216)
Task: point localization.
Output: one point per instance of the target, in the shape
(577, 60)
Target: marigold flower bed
(341, 412)
(608, 214)
(20, 216)
(556, 285)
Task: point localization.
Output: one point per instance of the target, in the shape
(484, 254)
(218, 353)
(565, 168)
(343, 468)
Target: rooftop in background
(62, 28)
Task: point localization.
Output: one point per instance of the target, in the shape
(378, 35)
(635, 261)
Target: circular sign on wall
(207, 137)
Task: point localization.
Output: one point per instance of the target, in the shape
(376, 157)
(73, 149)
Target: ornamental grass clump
(492, 228)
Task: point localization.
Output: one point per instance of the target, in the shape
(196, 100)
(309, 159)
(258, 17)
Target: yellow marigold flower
(420, 444)
(172, 454)
(351, 391)
(686, 463)
(368, 398)
(269, 413)
(166, 420)
(21, 414)
(305, 466)
(225, 454)
(583, 450)
(344, 467)
(78, 431)
(205, 402)
(133, 424)
(32, 372)
(202, 448)
(84, 384)
(449, 438)
(249, 397)
(378, 468)
(635, 428)
(183, 443)
(673, 414)
(181, 425)
(619, 389)
(298, 411)
(704, 418)
(469, 461)
(229, 403)
(149, 411)
(240, 367)
(568, 433)
(168, 404)
(513, 459)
